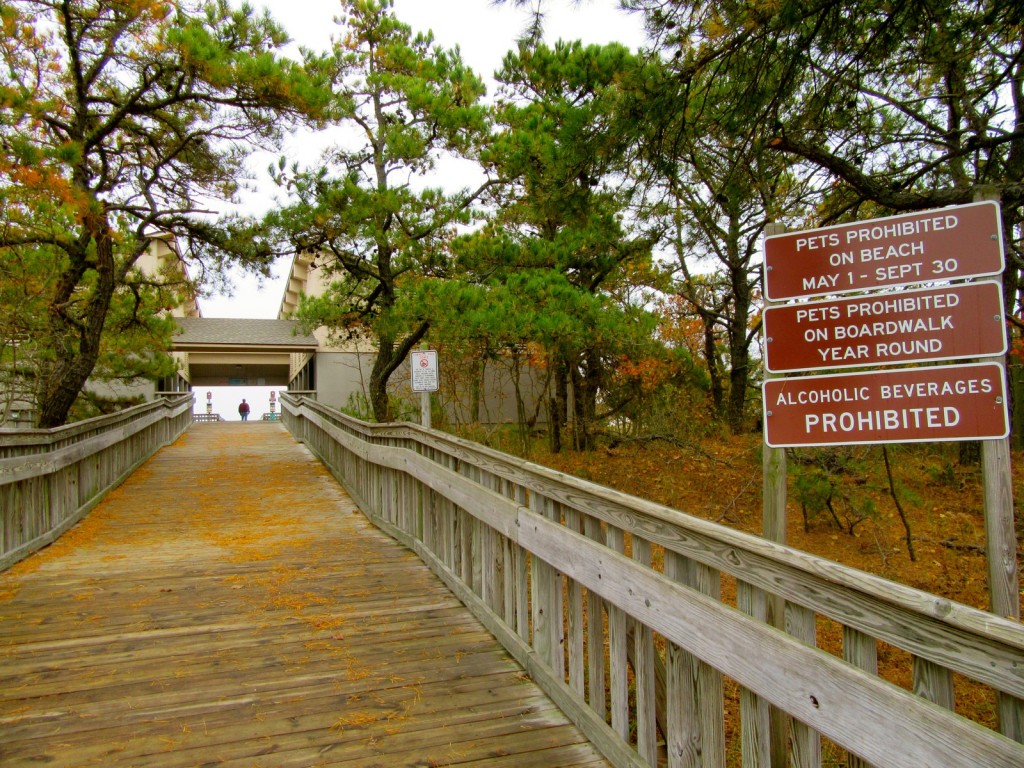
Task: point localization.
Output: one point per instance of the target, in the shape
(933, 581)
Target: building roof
(264, 335)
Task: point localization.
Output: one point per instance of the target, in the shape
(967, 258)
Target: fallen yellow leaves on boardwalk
(229, 603)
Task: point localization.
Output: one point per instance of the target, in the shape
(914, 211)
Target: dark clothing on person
(243, 410)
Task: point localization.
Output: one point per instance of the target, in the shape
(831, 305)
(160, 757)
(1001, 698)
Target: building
(339, 370)
(214, 352)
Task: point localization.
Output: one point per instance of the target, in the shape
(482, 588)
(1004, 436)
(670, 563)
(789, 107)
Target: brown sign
(934, 404)
(878, 329)
(931, 246)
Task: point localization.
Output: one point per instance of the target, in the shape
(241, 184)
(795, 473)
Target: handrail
(540, 556)
(51, 478)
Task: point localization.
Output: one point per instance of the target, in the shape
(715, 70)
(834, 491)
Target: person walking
(243, 410)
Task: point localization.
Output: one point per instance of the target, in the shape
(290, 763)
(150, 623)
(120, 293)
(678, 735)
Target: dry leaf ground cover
(229, 606)
(720, 479)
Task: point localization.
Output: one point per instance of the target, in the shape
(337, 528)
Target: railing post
(643, 667)
(618, 652)
(67, 470)
(1001, 541)
(546, 586)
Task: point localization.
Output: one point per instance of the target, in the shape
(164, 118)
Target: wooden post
(1001, 543)
(425, 400)
(774, 529)
(1002, 552)
(774, 466)
(425, 409)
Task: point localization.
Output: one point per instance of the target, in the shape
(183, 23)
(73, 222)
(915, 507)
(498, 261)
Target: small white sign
(424, 370)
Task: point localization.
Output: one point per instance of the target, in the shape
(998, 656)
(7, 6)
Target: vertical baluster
(576, 622)
(756, 721)
(684, 739)
(933, 682)
(643, 666)
(806, 743)
(595, 632)
(521, 570)
(546, 587)
(488, 557)
(862, 651)
(508, 574)
(617, 639)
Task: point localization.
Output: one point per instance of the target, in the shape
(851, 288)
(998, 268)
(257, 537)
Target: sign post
(773, 524)
(774, 470)
(424, 375)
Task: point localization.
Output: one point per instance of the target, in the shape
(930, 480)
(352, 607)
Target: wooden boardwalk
(229, 606)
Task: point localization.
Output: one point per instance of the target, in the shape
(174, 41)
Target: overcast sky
(483, 32)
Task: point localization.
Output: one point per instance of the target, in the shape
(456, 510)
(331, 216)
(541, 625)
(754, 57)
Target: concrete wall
(342, 381)
(342, 376)
(117, 390)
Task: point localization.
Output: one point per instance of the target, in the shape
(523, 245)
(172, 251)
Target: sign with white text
(933, 404)
(955, 322)
(930, 246)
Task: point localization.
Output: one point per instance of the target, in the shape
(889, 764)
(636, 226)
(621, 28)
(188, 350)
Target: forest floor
(720, 479)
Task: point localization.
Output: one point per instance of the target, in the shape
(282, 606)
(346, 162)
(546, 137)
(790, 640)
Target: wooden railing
(50, 478)
(646, 658)
(199, 418)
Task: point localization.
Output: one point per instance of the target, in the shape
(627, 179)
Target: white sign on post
(424, 370)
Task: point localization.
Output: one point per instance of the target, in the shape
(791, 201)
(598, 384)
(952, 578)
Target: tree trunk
(970, 453)
(477, 387)
(77, 338)
(554, 429)
(1015, 374)
(587, 385)
(379, 400)
(739, 340)
(559, 404)
(711, 359)
(523, 426)
(390, 355)
(737, 403)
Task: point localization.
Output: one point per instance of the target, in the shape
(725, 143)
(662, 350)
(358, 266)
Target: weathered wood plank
(595, 633)
(973, 642)
(695, 716)
(933, 683)
(618, 651)
(643, 668)
(755, 713)
(255, 620)
(545, 600)
(945, 635)
(806, 744)
(576, 621)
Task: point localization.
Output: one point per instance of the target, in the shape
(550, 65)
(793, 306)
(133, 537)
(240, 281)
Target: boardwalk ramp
(229, 606)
